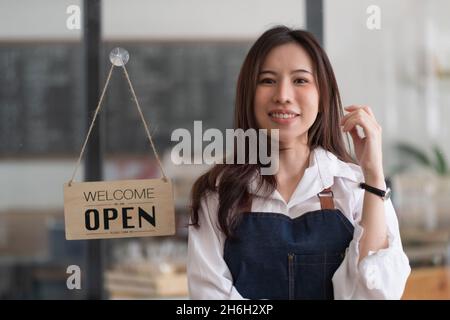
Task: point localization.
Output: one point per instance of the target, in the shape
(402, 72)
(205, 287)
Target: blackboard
(41, 94)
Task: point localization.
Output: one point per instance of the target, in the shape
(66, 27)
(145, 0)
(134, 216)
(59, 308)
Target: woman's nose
(283, 93)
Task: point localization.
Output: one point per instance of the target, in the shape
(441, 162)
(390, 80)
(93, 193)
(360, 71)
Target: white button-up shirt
(380, 275)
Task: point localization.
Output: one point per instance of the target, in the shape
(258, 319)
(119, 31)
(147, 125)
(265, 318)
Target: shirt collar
(331, 166)
(323, 167)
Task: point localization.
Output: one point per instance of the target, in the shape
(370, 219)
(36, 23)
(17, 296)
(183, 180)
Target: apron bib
(273, 256)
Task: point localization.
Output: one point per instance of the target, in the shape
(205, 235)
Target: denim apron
(273, 256)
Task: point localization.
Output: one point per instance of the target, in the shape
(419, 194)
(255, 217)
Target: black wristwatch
(384, 194)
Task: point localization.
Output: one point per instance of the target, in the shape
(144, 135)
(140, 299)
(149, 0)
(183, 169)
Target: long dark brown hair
(325, 132)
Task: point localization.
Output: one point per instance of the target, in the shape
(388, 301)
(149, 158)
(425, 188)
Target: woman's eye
(266, 80)
(300, 81)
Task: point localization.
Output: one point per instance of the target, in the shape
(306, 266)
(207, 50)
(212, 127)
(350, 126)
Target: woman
(311, 231)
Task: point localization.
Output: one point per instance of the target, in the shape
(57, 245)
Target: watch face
(387, 194)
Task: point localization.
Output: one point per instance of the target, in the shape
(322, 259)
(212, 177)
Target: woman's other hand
(368, 149)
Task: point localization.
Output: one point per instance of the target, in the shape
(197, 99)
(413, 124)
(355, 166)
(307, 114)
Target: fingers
(369, 111)
(354, 108)
(362, 116)
(355, 135)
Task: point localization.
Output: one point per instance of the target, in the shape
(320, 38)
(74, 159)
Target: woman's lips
(283, 117)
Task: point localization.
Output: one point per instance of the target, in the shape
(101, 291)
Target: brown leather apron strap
(326, 199)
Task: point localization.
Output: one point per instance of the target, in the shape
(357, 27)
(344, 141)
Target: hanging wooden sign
(119, 209)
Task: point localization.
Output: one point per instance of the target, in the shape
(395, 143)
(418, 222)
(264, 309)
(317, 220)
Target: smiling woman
(309, 231)
(286, 96)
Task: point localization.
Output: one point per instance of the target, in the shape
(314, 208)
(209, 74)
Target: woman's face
(286, 95)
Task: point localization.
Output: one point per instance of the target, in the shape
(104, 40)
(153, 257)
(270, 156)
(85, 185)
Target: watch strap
(373, 190)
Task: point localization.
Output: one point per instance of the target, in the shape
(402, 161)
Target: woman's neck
(294, 160)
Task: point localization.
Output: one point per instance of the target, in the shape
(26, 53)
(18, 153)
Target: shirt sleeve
(379, 275)
(208, 274)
